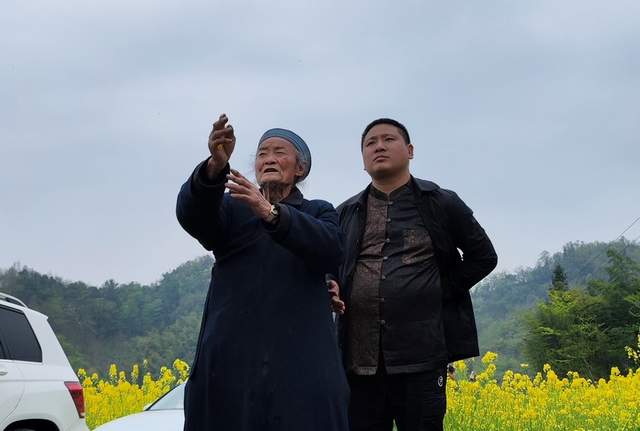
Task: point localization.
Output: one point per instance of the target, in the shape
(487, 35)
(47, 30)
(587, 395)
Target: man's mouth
(380, 158)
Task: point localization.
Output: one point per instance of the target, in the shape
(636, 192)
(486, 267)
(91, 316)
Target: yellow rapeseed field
(119, 395)
(475, 402)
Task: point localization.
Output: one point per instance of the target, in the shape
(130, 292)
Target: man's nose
(380, 146)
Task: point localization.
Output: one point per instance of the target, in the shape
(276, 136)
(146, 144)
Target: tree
(586, 330)
(559, 279)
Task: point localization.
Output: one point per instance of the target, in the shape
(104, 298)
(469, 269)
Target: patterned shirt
(396, 263)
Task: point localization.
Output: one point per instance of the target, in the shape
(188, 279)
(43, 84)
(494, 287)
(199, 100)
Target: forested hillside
(121, 323)
(125, 323)
(502, 300)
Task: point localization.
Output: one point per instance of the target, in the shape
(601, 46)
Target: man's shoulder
(352, 201)
(431, 190)
(446, 197)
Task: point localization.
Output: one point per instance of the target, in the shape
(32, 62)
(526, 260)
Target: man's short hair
(397, 124)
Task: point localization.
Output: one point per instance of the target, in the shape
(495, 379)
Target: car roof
(12, 299)
(15, 303)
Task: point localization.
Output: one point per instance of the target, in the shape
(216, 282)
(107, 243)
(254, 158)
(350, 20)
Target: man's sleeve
(479, 257)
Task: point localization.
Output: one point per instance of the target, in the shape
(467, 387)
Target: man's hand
(337, 305)
(244, 190)
(222, 141)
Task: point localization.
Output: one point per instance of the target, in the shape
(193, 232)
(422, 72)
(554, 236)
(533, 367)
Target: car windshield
(172, 400)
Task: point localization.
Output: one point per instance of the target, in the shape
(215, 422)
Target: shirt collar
(408, 187)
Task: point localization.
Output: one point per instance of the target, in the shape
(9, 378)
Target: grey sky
(529, 110)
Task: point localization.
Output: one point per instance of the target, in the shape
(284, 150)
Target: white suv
(38, 389)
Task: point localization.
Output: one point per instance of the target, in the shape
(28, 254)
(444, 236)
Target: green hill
(501, 300)
(126, 323)
(121, 323)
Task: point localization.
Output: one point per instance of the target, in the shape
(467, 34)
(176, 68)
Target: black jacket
(451, 225)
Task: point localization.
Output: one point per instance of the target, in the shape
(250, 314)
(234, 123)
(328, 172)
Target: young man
(406, 287)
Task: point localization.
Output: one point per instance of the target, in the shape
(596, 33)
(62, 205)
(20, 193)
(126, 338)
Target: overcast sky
(528, 110)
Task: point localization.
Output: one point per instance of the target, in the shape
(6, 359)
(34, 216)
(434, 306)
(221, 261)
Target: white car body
(35, 394)
(166, 414)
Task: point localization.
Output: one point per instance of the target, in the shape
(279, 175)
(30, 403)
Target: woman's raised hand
(222, 141)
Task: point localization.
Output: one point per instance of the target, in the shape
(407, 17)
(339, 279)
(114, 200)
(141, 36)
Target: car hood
(152, 420)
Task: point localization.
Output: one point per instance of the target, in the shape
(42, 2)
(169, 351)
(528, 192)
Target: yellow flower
(489, 357)
(517, 402)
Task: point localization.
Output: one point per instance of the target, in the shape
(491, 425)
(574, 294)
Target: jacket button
(381, 299)
(382, 323)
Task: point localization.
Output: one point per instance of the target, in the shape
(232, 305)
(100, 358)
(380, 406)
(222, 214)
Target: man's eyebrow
(381, 135)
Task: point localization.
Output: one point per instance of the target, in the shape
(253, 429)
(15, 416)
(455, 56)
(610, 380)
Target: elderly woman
(267, 356)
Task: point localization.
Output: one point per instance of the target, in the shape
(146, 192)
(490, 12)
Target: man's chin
(379, 172)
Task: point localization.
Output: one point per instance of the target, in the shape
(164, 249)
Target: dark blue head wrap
(296, 141)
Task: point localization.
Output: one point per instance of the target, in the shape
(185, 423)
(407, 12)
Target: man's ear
(410, 149)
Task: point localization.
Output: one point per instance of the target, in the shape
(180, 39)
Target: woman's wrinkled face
(276, 162)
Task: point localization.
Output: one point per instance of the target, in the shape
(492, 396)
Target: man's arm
(479, 257)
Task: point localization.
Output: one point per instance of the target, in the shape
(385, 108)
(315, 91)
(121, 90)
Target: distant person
(405, 287)
(267, 357)
(451, 372)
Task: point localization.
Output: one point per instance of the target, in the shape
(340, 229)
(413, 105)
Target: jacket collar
(295, 198)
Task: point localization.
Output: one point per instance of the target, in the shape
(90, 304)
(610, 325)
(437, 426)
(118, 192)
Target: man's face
(385, 152)
(276, 162)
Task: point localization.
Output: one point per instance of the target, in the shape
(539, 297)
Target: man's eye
(389, 139)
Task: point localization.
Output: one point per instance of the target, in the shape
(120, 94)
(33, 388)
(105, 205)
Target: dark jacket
(451, 225)
(267, 357)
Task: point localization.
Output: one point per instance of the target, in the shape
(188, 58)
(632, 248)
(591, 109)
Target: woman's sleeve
(202, 209)
(318, 238)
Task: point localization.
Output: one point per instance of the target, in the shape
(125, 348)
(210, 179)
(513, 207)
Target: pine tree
(559, 279)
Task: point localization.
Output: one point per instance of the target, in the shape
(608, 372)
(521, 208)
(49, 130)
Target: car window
(173, 400)
(2, 354)
(19, 341)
